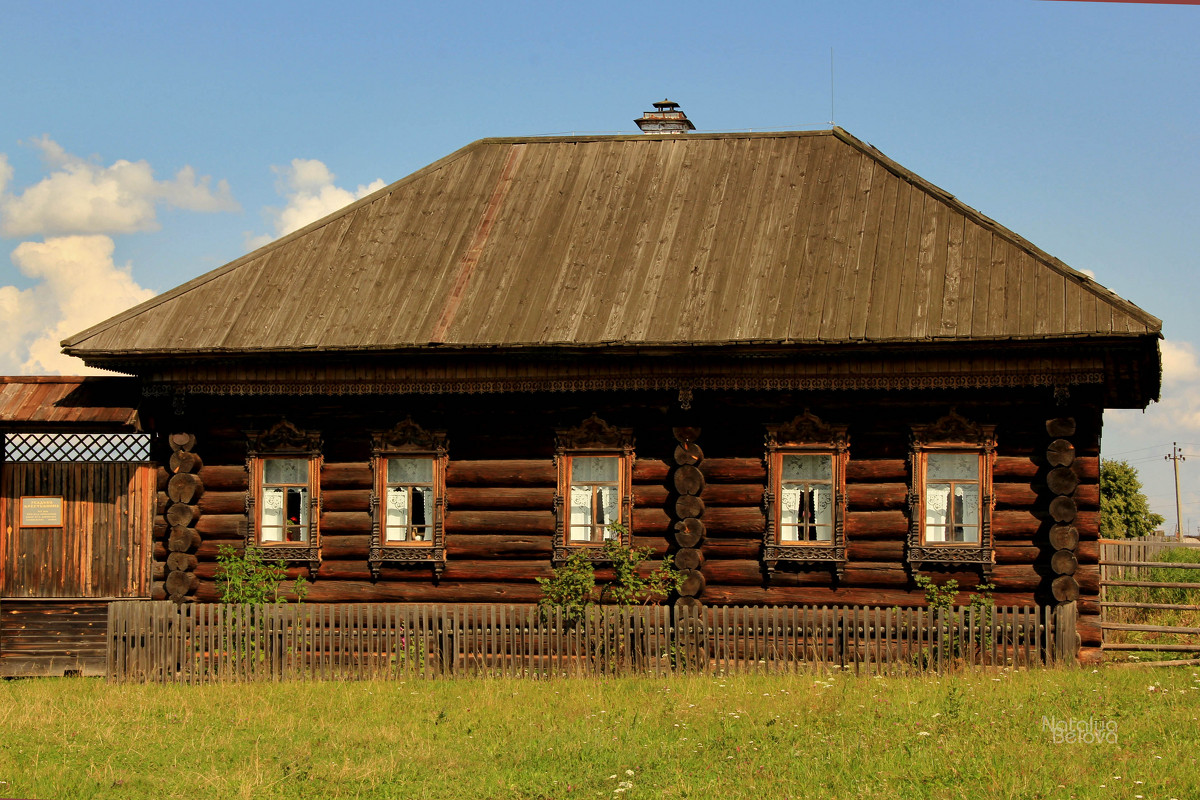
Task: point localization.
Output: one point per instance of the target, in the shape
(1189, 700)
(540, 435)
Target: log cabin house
(800, 368)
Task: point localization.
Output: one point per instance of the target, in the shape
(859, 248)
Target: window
(595, 498)
(950, 502)
(284, 510)
(951, 498)
(408, 500)
(594, 502)
(283, 505)
(805, 497)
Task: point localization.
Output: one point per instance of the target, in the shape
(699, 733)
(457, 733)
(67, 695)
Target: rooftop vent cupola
(665, 118)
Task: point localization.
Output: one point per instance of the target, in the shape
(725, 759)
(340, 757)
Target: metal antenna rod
(831, 117)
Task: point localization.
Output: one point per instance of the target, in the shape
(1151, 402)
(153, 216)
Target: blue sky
(1076, 124)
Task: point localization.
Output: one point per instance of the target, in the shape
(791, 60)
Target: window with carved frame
(283, 506)
(595, 488)
(951, 500)
(806, 493)
(408, 501)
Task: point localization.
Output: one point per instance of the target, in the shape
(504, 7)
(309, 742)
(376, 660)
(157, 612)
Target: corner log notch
(688, 481)
(181, 513)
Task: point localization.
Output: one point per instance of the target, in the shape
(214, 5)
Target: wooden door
(102, 548)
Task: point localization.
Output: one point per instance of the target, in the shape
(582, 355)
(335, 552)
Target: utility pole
(1177, 456)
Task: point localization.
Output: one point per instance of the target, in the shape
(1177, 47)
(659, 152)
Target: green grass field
(807, 735)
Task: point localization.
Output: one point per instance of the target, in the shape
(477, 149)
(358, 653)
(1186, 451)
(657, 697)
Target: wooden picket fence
(203, 643)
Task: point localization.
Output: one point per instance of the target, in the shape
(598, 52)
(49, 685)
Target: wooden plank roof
(68, 401)
(639, 241)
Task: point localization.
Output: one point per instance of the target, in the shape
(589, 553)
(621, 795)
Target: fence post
(1066, 638)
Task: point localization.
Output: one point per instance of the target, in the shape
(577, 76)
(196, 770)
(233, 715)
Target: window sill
(401, 554)
(953, 553)
(291, 552)
(819, 553)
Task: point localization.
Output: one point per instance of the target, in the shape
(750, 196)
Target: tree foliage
(1124, 510)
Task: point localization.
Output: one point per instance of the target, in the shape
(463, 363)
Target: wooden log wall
(705, 507)
(688, 482)
(181, 512)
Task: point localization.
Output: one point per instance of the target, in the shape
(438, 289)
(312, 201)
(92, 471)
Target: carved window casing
(283, 506)
(595, 488)
(951, 500)
(408, 499)
(805, 501)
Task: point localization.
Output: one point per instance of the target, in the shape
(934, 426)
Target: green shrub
(572, 590)
(243, 576)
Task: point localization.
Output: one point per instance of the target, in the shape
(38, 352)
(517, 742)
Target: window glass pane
(285, 470)
(272, 507)
(822, 505)
(953, 466)
(396, 516)
(420, 506)
(610, 509)
(410, 470)
(594, 469)
(808, 467)
(272, 515)
(966, 503)
(581, 514)
(789, 511)
(935, 533)
(937, 503)
(297, 514)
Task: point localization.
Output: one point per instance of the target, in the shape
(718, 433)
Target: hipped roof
(641, 241)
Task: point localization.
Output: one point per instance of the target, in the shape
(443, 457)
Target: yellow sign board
(41, 512)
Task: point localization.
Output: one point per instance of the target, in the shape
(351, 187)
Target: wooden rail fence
(202, 643)
(1138, 564)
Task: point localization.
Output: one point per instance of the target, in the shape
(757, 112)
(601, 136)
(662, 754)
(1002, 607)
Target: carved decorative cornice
(806, 428)
(407, 435)
(283, 437)
(648, 383)
(595, 434)
(957, 429)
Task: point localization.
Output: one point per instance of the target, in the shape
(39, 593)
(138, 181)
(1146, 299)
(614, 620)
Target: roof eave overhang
(1127, 368)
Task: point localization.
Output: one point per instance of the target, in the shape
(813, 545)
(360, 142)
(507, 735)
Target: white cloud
(80, 197)
(6, 173)
(1180, 365)
(1178, 412)
(77, 286)
(307, 186)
